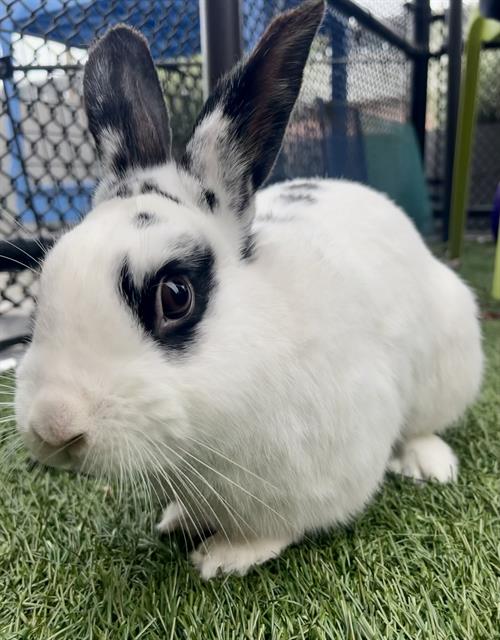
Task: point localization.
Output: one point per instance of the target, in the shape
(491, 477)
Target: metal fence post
(454, 76)
(420, 70)
(221, 41)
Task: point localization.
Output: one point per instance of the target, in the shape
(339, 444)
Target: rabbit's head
(152, 320)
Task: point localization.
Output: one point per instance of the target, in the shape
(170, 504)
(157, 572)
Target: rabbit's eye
(176, 298)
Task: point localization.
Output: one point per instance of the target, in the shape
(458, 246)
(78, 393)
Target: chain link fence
(352, 117)
(48, 166)
(485, 169)
(354, 107)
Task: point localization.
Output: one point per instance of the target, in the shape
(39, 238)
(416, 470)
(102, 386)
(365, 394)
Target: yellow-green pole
(495, 292)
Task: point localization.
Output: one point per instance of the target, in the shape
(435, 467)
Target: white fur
(339, 344)
(216, 155)
(426, 458)
(176, 517)
(340, 339)
(219, 555)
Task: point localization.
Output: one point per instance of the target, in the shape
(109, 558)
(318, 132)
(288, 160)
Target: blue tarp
(172, 28)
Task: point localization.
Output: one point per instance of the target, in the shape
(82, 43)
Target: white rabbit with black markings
(265, 356)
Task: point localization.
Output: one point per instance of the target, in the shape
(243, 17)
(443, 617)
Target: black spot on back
(297, 197)
(270, 216)
(305, 185)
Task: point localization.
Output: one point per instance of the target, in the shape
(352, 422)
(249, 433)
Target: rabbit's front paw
(426, 458)
(176, 517)
(218, 554)
(171, 519)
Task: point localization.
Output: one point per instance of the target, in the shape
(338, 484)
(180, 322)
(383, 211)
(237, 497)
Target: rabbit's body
(265, 369)
(374, 266)
(354, 356)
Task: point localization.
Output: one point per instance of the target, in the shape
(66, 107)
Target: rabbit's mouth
(69, 455)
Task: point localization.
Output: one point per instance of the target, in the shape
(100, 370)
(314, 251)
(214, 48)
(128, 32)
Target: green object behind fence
(481, 30)
(394, 166)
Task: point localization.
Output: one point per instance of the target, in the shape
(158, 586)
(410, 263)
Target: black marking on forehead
(249, 247)
(306, 185)
(151, 187)
(239, 191)
(145, 219)
(199, 267)
(210, 199)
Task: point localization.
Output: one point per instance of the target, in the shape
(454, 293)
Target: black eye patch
(198, 267)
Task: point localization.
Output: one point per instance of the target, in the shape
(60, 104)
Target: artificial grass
(76, 562)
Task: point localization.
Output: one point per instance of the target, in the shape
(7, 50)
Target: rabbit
(264, 355)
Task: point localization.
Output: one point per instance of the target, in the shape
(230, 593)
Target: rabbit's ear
(124, 103)
(240, 129)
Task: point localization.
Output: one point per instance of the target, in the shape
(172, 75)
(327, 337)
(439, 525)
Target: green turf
(422, 562)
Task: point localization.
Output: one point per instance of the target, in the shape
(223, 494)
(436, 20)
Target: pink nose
(56, 422)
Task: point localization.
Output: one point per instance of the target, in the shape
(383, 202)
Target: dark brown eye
(176, 298)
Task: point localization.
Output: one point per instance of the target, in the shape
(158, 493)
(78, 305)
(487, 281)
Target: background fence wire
(485, 170)
(354, 82)
(351, 72)
(48, 166)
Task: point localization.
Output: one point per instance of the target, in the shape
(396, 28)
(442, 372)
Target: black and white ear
(240, 129)
(124, 103)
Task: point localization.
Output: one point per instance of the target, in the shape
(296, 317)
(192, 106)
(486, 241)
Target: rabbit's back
(371, 280)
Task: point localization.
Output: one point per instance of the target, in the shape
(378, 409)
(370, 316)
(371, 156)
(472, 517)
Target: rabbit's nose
(56, 423)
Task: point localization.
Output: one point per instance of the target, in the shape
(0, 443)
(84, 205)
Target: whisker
(4, 437)
(29, 232)
(22, 264)
(90, 449)
(10, 448)
(233, 462)
(176, 492)
(18, 248)
(235, 484)
(64, 446)
(193, 496)
(146, 486)
(170, 481)
(213, 490)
